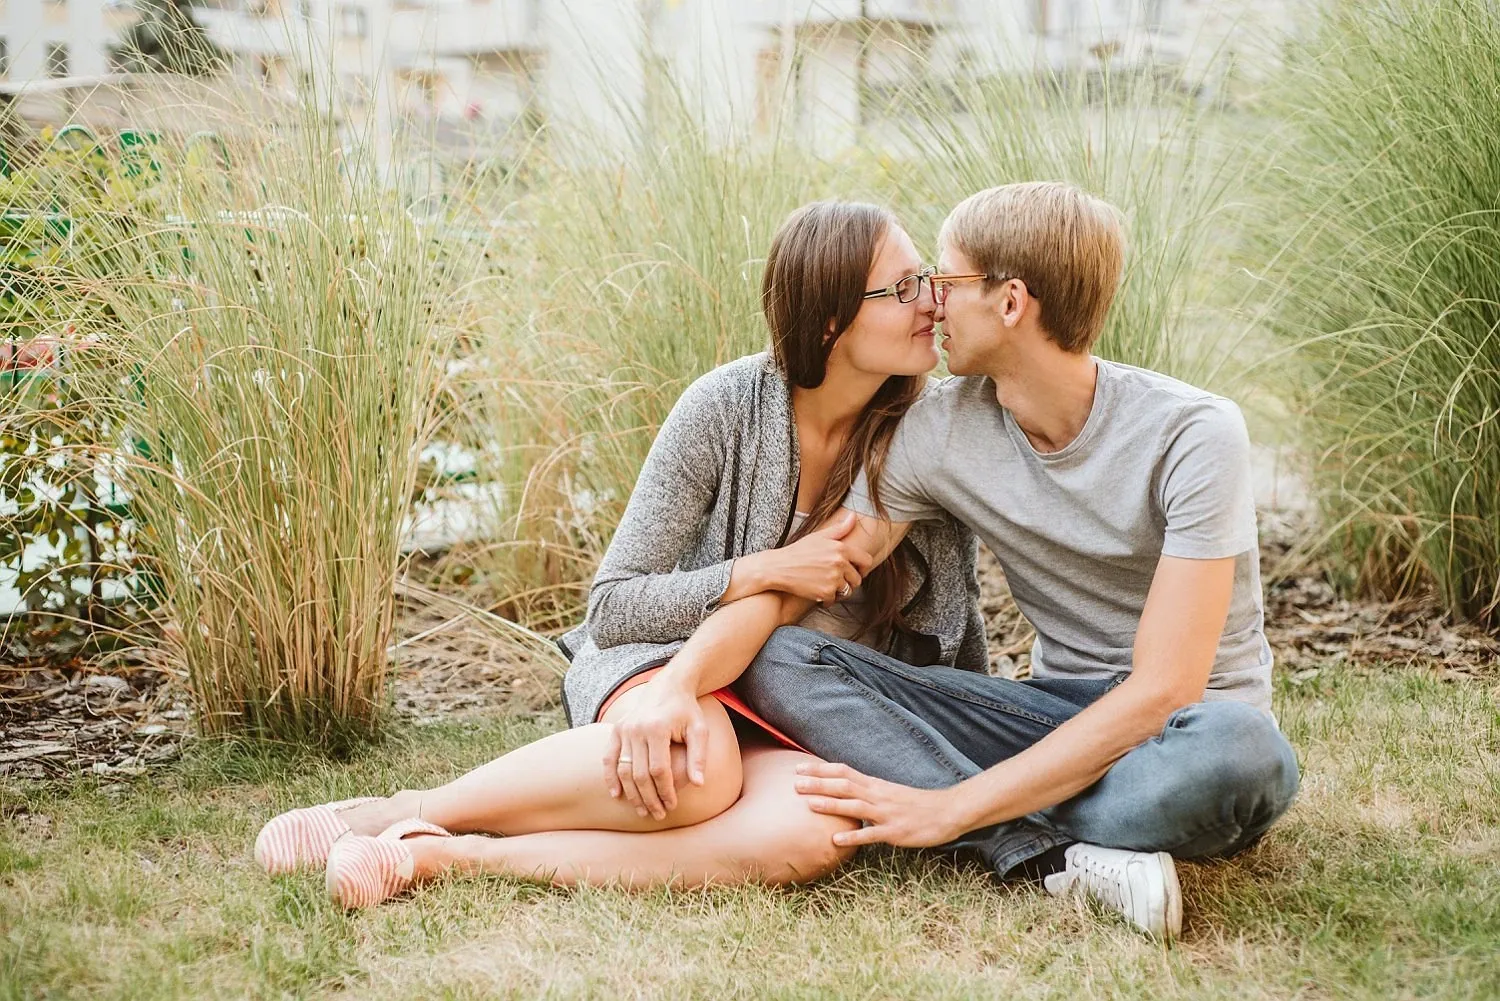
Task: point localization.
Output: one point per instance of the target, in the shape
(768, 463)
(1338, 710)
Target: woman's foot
(301, 838)
(364, 871)
(375, 815)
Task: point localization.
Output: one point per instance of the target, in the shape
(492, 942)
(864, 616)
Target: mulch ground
(58, 721)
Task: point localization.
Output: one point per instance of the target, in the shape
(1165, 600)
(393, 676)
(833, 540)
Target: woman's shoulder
(741, 373)
(722, 390)
(746, 371)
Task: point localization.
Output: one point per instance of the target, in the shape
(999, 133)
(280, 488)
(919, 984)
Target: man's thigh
(987, 719)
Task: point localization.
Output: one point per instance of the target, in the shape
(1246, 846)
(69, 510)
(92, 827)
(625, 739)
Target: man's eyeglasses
(942, 283)
(905, 290)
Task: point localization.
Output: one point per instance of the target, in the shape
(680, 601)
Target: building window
(57, 59)
(352, 22)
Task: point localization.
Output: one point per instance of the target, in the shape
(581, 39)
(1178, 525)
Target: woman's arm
(639, 595)
(714, 656)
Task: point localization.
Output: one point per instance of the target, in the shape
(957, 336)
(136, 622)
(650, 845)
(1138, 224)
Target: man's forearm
(1067, 761)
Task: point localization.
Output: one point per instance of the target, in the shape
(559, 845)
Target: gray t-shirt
(1160, 468)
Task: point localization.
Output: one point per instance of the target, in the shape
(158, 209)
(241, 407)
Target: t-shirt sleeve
(1207, 494)
(905, 477)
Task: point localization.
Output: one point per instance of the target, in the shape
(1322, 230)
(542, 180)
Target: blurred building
(820, 67)
(43, 39)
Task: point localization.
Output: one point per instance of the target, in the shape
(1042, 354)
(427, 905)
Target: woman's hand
(638, 760)
(822, 566)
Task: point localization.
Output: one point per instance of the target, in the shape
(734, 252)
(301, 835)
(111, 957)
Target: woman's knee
(723, 771)
(793, 844)
(804, 845)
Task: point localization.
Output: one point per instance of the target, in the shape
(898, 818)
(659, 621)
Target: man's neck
(1050, 393)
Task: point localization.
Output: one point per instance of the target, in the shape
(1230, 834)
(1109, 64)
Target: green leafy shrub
(63, 524)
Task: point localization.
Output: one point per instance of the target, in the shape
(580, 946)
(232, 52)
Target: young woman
(749, 464)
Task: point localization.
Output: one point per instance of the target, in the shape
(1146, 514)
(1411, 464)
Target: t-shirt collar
(1101, 390)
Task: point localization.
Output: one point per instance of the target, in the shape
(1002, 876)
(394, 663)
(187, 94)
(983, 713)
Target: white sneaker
(1140, 885)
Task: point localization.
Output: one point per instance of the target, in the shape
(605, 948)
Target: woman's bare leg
(557, 784)
(768, 836)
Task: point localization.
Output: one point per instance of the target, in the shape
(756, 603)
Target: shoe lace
(1103, 881)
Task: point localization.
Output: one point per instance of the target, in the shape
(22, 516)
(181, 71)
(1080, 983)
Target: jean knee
(793, 644)
(1251, 756)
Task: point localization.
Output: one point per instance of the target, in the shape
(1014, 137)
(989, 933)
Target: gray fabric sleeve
(1207, 495)
(639, 595)
(904, 479)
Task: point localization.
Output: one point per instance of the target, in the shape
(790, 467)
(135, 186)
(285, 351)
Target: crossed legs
(768, 836)
(561, 826)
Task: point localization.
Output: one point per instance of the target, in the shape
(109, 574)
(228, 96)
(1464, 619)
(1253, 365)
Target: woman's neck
(828, 412)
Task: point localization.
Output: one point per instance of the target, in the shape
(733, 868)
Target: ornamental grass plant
(270, 333)
(628, 275)
(1170, 162)
(1380, 232)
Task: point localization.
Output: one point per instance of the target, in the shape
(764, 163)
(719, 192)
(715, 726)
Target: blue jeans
(1211, 783)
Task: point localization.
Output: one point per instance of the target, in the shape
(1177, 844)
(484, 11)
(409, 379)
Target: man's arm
(637, 763)
(1174, 653)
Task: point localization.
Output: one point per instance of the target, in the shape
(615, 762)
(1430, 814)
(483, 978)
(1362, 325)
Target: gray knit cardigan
(720, 482)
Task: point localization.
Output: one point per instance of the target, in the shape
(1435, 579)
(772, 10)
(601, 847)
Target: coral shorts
(726, 697)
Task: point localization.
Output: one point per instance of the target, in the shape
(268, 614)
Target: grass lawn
(1383, 882)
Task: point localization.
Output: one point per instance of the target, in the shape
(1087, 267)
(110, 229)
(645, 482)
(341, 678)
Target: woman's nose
(926, 301)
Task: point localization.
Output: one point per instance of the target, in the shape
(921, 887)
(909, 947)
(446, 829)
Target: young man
(1119, 503)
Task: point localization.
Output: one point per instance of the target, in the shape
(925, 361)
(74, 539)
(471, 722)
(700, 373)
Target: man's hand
(894, 814)
(638, 760)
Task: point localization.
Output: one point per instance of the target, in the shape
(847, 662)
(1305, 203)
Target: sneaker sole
(1174, 895)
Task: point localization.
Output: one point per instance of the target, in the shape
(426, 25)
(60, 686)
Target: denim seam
(875, 700)
(927, 683)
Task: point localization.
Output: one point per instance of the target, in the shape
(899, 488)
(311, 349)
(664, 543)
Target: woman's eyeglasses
(905, 290)
(908, 288)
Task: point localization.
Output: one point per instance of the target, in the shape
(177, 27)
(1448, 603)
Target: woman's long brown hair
(816, 272)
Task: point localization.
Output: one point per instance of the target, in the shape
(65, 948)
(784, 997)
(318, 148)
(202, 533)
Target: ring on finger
(625, 759)
(844, 591)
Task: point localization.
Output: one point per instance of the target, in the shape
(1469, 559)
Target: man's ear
(1012, 303)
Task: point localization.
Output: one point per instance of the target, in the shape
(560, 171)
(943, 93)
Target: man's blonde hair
(1065, 244)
